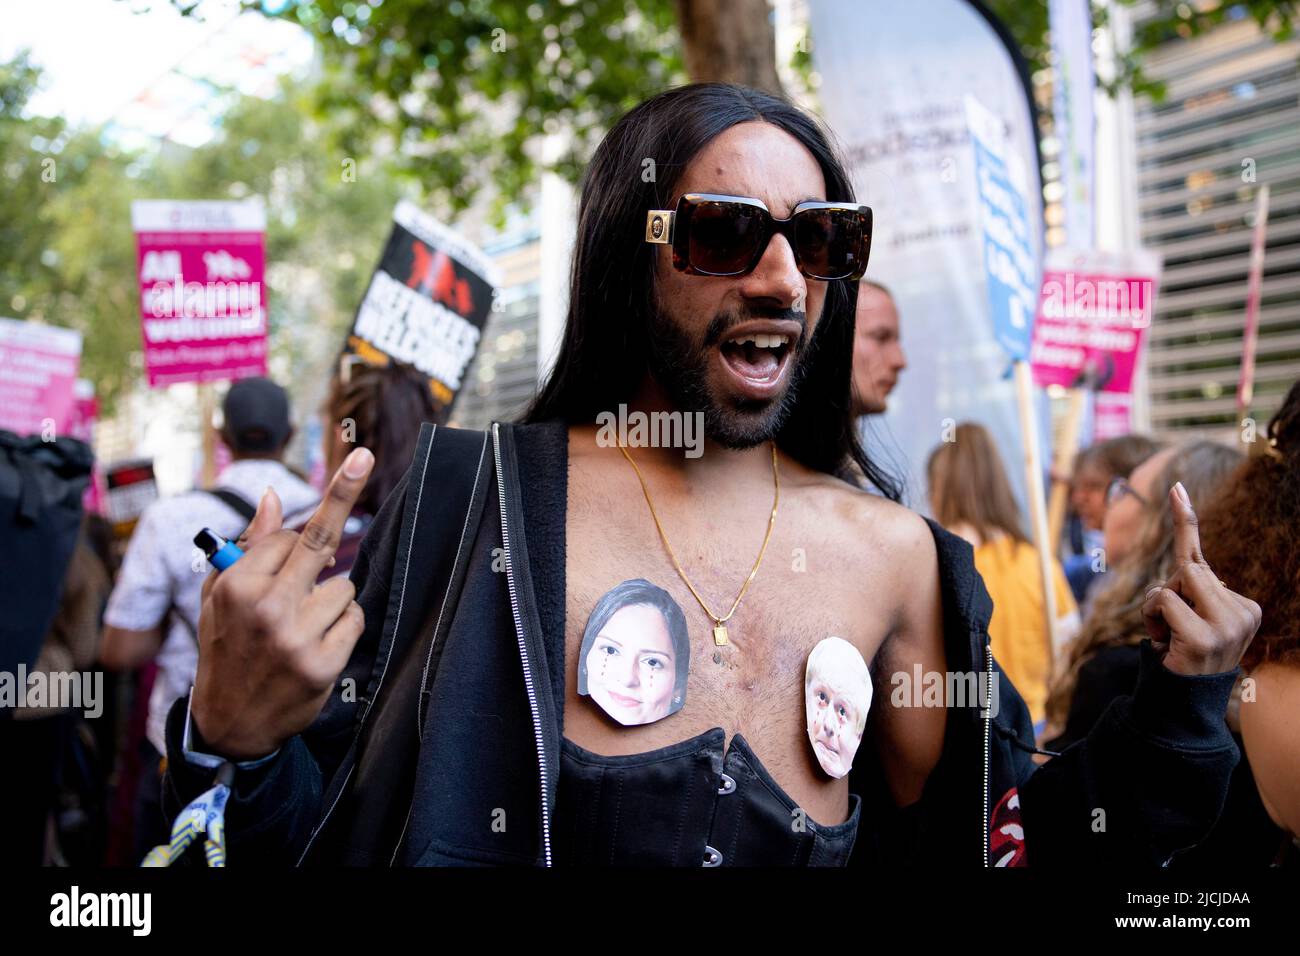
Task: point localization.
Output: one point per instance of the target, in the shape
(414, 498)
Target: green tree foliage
(437, 98)
(465, 90)
(328, 212)
(67, 252)
(58, 261)
(1027, 21)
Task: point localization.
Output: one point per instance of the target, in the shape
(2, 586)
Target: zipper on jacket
(368, 702)
(988, 725)
(523, 647)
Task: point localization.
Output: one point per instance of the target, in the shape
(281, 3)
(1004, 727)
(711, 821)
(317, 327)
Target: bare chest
(805, 591)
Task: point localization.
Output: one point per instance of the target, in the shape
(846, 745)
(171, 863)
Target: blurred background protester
(1250, 536)
(878, 357)
(42, 490)
(84, 811)
(1101, 664)
(380, 408)
(971, 497)
(154, 607)
(1095, 467)
(37, 743)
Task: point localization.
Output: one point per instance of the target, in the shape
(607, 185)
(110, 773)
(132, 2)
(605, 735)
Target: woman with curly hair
(1101, 664)
(1251, 537)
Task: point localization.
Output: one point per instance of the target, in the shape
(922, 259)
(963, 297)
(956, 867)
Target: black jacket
(441, 744)
(1109, 673)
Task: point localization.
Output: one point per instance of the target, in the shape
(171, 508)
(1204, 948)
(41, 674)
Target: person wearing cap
(154, 608)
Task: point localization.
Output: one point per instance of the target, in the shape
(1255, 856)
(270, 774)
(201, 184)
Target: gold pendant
(720, 635)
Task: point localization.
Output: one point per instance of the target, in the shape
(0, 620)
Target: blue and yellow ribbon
(205, 814)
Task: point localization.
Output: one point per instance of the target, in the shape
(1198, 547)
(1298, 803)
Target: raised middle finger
(320, 537)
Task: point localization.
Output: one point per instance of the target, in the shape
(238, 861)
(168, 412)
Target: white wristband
(212, 761)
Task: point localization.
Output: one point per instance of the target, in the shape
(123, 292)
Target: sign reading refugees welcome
(202, 296)
(426, 304)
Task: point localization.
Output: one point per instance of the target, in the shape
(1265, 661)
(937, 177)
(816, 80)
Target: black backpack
(41, 486)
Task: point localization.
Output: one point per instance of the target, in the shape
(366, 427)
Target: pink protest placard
(202, 295)
(1112, 415)
(1093, 312)
(38, 370)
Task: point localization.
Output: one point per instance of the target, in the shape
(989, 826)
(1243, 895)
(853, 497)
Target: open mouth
(757, 361)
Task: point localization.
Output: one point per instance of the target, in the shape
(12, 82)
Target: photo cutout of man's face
(635, 654)
(837, 696)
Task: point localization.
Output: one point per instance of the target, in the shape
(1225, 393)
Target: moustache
(722, 324)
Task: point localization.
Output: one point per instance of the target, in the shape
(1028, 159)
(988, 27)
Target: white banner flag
(893, 81)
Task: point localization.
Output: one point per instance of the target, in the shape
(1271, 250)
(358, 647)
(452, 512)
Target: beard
(679, 363)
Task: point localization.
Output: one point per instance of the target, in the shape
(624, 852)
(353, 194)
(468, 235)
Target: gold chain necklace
(719, 623)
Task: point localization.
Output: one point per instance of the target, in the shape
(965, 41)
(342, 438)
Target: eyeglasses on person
(718, 235)
(1118, 488)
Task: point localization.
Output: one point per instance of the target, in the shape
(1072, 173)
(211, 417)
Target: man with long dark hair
(435, 720)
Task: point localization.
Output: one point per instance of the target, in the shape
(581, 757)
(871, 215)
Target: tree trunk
(729, 41)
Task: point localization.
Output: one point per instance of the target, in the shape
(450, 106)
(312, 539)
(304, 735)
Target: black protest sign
(426, 304)
(131, 489)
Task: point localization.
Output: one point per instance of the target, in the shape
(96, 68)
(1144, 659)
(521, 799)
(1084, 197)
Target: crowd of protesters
(90, 792)
(90, 795)
(1122, 546)
(78, 780)
(1249, 509)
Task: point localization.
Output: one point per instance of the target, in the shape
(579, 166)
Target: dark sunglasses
(714, 235)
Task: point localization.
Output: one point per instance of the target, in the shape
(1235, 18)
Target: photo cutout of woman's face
(635, 654)
(837, 696)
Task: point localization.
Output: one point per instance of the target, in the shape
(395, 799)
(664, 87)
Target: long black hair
(602, 357)
(384, 406)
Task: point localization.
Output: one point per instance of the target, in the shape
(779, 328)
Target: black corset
(687, 804)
